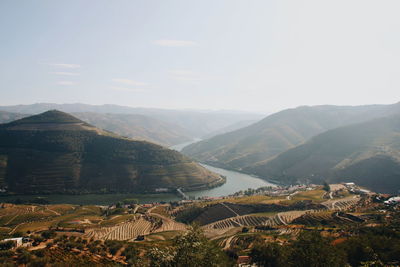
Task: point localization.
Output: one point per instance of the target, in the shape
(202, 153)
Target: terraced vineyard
(281, 218)
(171, 225)
(246, 220)
(288, 216)
(16, 214)
(326, 217)
(124, 231)
(342, 204)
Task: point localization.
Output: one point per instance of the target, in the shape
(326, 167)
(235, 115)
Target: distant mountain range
(255, 149)
(10, 116)
(195, 123)
(366, 153)
(139, 127)
(230, 128)
(54, 152)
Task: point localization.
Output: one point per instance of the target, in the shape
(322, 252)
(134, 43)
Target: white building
(393, 200)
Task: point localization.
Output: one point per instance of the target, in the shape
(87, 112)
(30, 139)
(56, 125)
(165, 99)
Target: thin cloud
(65, 73)
(174, 43)
(66, 66)
(125, 89)
(129, 82)
(66, 83)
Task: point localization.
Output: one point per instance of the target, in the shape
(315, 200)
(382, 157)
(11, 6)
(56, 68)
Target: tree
(191, 249)
(194, 249)
(269, 255)
(313, 250)
(326, 187)
(6, 245)
(24, 256)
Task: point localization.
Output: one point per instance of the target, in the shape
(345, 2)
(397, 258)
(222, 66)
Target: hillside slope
(55, 152)
(138, 127)
(367, 154)
(279, 132)
(230, 128)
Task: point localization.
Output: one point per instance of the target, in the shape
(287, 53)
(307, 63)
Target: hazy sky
(255, 55)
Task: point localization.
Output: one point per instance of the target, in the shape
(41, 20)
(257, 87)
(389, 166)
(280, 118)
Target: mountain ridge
(366, 153)
(279, 132)
(196, 123)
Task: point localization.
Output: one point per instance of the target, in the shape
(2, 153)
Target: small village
(264, 212)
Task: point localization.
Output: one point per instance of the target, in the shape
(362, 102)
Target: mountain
(137, 127)
(197, 123)
(230, 128)
(134, 126)
(279, 132)
(366, 153)
(9, 116)
(54, 152)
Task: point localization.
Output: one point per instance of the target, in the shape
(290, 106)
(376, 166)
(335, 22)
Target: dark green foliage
(113, 246)
(372, 244)
(57, 153)
(37, 238)
(312, 250)
(192, 249)
(6, 254)
(24, 256)
(17, 234)
(376, 246)
(269, 255)
(189, 215)
(131, 201)
(131, 253)
(48, 234)
(326, 187)
(6, 245)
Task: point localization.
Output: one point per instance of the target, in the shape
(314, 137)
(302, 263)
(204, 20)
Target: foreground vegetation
(330, 227)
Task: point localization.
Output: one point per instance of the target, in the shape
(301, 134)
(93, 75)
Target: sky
(250, 55)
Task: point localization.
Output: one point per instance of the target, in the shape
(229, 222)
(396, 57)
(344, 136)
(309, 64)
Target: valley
(234, 223)
(199, 133)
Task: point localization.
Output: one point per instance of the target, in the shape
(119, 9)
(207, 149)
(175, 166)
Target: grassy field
(167, 235)
(314, 195)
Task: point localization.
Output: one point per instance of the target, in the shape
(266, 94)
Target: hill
(367, 154)
(134, 126)
(230, 128)
(54, 152)
(279, 132)
(197, 123)
(139, 127)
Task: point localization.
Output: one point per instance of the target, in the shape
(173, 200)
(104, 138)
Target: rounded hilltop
(54, 152)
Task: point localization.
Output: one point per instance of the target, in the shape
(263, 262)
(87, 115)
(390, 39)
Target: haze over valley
(213, 133)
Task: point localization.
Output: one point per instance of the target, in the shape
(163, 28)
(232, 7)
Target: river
(235, 181)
